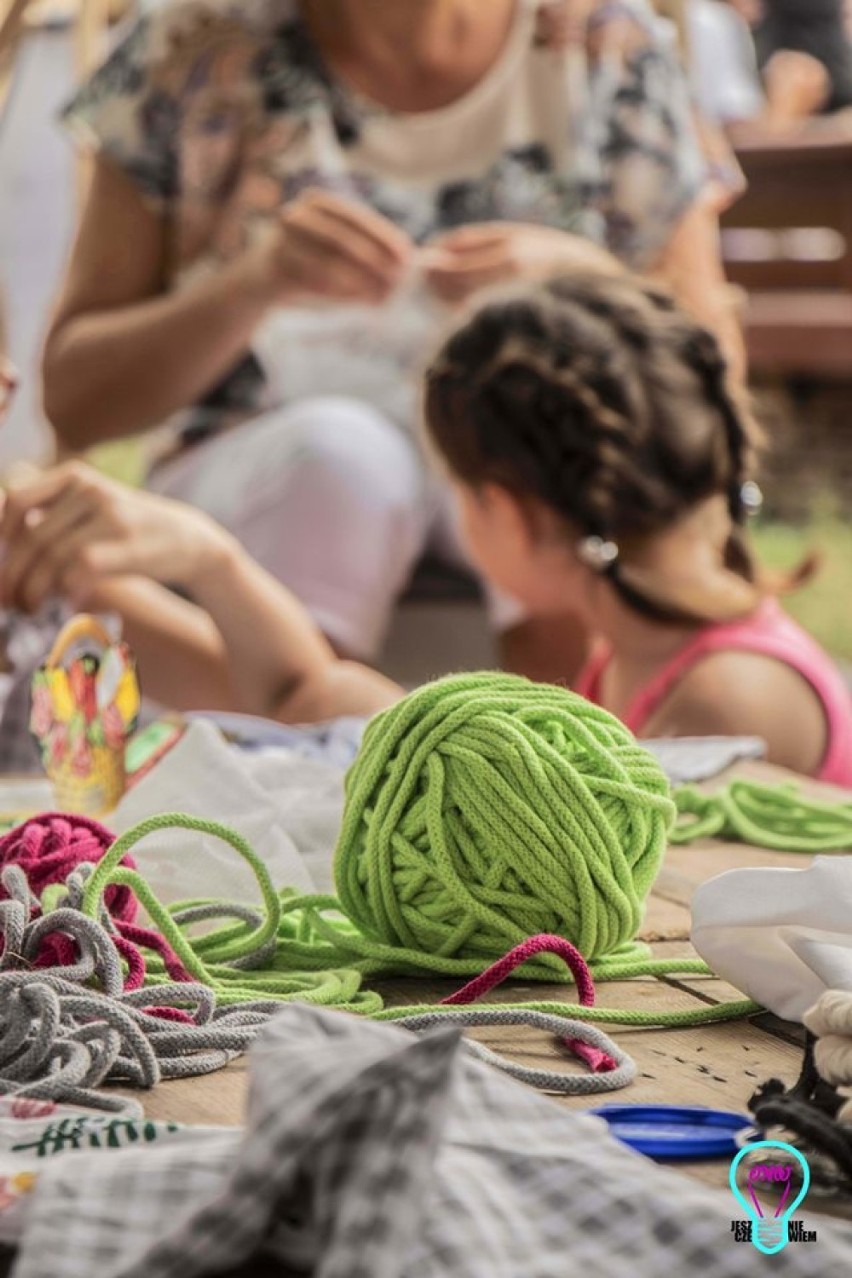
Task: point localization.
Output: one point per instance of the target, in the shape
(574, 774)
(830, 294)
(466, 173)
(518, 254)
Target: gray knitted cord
(545, 1080)
(60, 1039)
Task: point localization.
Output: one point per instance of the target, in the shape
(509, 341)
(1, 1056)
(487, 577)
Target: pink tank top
(771, 633)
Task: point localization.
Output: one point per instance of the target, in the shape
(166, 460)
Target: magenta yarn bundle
(51, 847)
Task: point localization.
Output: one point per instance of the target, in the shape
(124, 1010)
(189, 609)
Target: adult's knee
(350, 454)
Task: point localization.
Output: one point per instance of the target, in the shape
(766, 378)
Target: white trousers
(333, 500)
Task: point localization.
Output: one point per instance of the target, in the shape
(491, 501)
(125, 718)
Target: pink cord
(48, 849)
(599, 1062)
(175, 1014)
(147, 939)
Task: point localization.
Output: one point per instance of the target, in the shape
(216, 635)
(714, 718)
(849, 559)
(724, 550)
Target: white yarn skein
(831, 1021)
(832, 1014)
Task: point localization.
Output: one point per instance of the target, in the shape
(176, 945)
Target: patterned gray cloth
(372, 1154)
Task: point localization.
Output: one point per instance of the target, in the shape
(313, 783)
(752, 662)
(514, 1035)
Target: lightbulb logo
(771, 1229)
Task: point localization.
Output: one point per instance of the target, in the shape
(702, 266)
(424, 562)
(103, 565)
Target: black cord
(809, 1110)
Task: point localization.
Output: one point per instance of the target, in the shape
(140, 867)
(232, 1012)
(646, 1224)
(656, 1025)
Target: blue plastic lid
(675, 1131)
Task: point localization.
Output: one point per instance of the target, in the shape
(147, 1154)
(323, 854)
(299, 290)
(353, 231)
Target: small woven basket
(101, 788)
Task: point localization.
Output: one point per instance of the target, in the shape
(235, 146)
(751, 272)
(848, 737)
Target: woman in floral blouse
(288, 199)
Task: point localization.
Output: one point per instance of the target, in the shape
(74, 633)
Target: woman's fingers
(42, 535)
(44, 568)
(387, 239)
(338, 248)
(466, 273)
(33, 491)
(478, 235)
(320, 264)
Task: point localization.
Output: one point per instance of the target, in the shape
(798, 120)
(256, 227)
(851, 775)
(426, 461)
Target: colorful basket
(85, 703)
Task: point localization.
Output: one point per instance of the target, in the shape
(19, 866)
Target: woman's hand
(329, 247)
(462, 262)
(67, 529)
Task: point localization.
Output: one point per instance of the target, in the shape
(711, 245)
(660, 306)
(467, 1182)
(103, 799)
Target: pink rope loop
(543, 944)
(49, 849)
(598, 1062)
(132, 956)
(147, 939)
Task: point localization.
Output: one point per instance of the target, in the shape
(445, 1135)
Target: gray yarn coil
(545, 1080)
(60, 1039)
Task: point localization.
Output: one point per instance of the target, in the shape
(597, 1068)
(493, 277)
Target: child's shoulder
(735, 692)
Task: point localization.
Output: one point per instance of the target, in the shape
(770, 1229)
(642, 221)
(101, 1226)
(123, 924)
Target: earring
(597, 554)
(751, 498)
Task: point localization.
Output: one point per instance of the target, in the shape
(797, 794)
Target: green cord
(777, 817)
(324, 960)
(481, 810)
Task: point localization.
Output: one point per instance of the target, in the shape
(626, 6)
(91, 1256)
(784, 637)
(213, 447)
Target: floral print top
(220, 110)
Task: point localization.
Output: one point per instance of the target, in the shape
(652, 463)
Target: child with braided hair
(602, 458)
(602, 462)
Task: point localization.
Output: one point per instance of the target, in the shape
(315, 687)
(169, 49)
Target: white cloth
(783, 937)
(686, 760)
(375, 355)
(32, 1132)
(336, 503)
(202, 776)
(725, 78)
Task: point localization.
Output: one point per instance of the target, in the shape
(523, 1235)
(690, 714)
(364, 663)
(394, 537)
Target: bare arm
(122, 354)
(182, 658)
(246, 643)
(746, 694)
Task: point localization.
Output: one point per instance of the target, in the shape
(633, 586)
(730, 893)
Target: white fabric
(32, 1132)
(369, 353)
(783, 937)
(336, 503)
(689, 759)
(202, 776)
(723, 61)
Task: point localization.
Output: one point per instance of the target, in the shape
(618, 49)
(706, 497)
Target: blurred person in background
(285, 194)
(818, 28)
(729, 87)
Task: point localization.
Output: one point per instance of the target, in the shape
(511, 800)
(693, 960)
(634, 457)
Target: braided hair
(601, 398)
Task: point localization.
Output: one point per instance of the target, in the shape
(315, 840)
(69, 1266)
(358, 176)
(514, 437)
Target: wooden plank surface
(717, 1065)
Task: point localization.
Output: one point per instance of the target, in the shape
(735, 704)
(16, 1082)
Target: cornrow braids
(601, 398)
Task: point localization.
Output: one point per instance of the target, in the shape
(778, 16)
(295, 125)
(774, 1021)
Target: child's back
(811, 699)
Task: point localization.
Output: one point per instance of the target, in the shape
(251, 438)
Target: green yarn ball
(484, 809)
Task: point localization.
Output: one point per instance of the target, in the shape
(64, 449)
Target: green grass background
(824, 605)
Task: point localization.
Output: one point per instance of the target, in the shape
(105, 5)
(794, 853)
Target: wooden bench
(788, 244)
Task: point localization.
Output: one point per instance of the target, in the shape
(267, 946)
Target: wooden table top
(716, 1065)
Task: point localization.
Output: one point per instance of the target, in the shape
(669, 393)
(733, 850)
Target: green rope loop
(777, 817)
